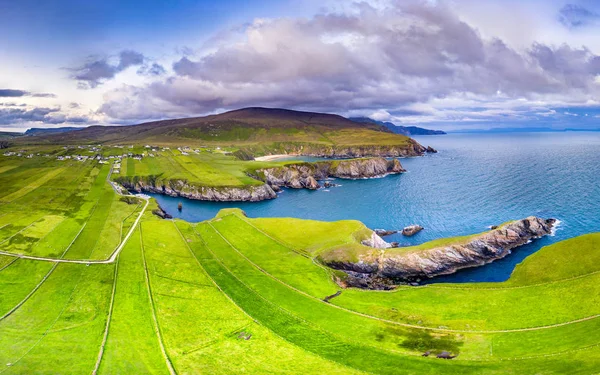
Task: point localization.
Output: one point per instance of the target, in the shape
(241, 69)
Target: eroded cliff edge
(307, 175)
(408, 149)
(383, 268)
(294, 175)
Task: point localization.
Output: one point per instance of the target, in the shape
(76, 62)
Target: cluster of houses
(186, 150)
(24, 154)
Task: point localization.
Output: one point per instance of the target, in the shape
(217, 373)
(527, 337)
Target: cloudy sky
(452, 65)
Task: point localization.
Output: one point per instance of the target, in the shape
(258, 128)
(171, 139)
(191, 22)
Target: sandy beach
(272, 157)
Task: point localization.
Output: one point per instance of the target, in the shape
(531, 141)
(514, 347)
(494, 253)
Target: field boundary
(111, 259)
(154, 319)
(268, 302)
(408, 325)
(108, 319)
(41, 281)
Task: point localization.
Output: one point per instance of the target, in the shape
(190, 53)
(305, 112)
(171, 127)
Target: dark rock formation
(329, 298)
(411, 230)
(379, 270)
(160, 212)
(383, 232)
(445, 355)
(305, 175)
(430, 150)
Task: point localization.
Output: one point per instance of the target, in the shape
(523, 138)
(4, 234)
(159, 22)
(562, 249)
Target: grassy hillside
(205, 168)
(258, 130)
(241, 295)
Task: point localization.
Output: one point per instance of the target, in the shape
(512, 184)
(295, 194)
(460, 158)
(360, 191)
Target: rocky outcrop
(306, 175)
(411, 230)
(376, 242)
(298, 176)
(384, 232)
(380, 271)
(181, 188)
(160, 212)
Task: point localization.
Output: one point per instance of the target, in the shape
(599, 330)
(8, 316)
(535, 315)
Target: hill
(398, 129)
(9, 134)
(254, 131)
(41, 131)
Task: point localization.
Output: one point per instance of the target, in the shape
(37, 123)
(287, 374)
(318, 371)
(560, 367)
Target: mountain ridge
(398, 129)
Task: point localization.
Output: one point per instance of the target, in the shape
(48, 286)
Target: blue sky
(455, 64)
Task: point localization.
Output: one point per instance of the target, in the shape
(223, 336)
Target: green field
(241, 295)
(202, 169)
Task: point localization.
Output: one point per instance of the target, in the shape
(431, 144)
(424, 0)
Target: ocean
(473, 182)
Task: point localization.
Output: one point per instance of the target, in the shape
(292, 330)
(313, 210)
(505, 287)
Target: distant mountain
(248, 125)
(9, 134)
(42, 131)
(404, 130)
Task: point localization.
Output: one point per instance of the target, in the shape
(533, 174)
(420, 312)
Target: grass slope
(241, 295)
(256, 130)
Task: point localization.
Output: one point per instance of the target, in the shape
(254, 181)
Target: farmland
(241, 295)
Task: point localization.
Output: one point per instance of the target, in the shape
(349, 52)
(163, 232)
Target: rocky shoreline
(410, 149)
(385, 268)
(297, 176)
(181, 188)
(307, 175)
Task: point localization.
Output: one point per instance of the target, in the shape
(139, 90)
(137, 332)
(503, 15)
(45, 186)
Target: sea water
(473, 182)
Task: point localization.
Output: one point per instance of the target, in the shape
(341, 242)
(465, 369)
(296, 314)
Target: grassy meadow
(241, 295)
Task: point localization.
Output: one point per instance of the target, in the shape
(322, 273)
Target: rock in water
(383, 232)
(411, 230)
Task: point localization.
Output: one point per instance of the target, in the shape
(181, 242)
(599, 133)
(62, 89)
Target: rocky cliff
(382, 269)
(181, 188)
(300, 175)
(306, 175)
(407, 149)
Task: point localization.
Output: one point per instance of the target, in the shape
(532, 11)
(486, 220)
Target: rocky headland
(307, 175)
(382, 267)
(297, 175)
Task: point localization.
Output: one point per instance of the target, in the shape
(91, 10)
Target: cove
(474, 181)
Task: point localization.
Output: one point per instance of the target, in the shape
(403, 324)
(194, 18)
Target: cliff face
(407, 149)
(412, 148)
(302, 175)
(180, 188)
(382, 270)
(305, 175)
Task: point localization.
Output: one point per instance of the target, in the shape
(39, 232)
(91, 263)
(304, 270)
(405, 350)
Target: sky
(444, 64)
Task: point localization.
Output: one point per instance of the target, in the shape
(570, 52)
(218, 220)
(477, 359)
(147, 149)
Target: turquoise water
(476, 180)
